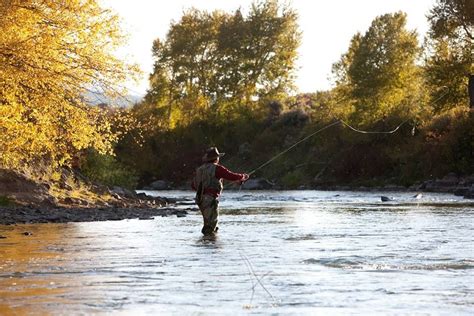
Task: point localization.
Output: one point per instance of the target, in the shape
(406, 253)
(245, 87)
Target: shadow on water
(210, 241)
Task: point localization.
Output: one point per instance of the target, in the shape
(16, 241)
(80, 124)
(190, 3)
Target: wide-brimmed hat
(211, 154)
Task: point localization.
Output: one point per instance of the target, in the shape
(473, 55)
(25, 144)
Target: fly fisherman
(208, 186)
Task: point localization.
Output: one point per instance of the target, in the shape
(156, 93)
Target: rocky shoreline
(23, 200)
(32, 215)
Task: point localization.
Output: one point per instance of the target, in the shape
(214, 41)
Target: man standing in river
(207, 183)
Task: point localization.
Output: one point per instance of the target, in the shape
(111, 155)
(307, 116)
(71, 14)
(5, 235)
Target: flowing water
(291, 252)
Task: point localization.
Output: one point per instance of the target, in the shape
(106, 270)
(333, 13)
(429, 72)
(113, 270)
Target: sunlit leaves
(378, 74)
(449, 51)
(51, 53)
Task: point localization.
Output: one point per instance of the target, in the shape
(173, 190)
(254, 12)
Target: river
(287, 252)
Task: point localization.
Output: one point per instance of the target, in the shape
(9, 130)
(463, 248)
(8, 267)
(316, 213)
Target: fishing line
(258, 280)
(373, 132)
(292, 146)
(340, 121)
(320, 130)
(317, 132)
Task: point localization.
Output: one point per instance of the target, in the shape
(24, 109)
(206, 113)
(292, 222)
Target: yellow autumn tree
(51, 54)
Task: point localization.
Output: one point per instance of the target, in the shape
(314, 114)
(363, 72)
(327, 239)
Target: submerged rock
(470, 193)
(142, 195)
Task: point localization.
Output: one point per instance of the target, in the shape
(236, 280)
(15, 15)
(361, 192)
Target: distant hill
(96, 98)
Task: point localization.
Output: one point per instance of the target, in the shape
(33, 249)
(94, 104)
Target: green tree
(259, 51)
(378, 74)
(216, 60)
(452, 18)
(448, 52)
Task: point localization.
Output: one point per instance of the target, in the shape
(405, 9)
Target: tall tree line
(218, 63)
(220, 76)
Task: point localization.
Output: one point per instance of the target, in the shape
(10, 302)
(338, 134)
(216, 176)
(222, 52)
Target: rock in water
(418, 196)
(160, 185)
(385, 198)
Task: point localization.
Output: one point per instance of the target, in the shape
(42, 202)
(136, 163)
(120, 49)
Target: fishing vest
(206, 179)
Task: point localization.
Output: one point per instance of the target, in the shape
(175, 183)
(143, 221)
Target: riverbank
(32, 215)
(27, 199)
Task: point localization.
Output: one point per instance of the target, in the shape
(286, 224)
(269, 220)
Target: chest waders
(206, 179)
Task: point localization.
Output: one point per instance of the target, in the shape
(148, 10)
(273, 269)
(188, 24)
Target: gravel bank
(23, 215)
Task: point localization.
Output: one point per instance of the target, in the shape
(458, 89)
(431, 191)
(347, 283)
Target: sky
(326, 26)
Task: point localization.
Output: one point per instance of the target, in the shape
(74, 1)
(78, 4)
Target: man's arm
(224, 173)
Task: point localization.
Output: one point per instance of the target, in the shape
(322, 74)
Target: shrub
(105, 169)
(5, 201)
(294, 179)
(293, 118)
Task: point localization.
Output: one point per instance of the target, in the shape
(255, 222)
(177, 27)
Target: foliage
(213, 64)
(452, 18)
(202, 94)
(5, 201)
(442, 146)
(378, 74)
(448, 50)
(51, 53)
(105, 169)
(293, 179)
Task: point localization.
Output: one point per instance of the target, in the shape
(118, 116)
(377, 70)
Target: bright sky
(327, 28)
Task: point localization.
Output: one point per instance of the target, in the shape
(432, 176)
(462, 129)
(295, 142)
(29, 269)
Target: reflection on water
(299, 252)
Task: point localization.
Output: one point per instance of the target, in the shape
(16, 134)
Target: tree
(223, 59)
(448, 51)
(185, 62)
(259, 51)
(452, 18)
(378, 74)
(51, 53)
